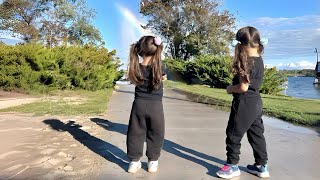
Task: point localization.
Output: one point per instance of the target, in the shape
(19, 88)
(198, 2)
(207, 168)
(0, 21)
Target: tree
(70, 21)
(54, 29)
(19, 17)
(81, 30)
(190, 27)
(49, 21)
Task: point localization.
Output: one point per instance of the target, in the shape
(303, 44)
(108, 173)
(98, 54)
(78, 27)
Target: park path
(94, 147)
(194, 145)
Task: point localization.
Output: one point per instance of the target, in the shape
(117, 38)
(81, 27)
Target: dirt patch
(50, 147)
(9, 102)
(9, 99)
(9, 95)
(69, 100)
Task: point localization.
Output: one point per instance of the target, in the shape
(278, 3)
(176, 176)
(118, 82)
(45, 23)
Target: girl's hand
(229, 89)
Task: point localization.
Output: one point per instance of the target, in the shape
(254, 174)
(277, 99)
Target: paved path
(194, 143)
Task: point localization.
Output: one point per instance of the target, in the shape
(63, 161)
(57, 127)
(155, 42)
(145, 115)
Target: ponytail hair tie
(264, 41)
(157, 41)
(235, 42)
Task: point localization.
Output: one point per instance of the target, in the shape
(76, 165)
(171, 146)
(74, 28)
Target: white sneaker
(152, 166)
(134, 166)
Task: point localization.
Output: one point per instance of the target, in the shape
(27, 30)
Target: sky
(292, 27)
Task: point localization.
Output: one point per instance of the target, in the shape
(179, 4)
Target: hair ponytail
(134, 72)
(157, 67)
(240, 64)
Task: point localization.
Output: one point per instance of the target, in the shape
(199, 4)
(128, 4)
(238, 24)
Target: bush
(212, 70)
(273, 81)
(176, 69)
(205, 69)
(32, 66)
(215, 71)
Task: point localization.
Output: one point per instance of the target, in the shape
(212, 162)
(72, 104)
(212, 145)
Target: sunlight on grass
(299, 111)
(67, 103)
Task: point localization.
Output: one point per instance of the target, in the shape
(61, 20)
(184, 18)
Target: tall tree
(19, 17)
(70, 21)
(49, 21)
(81, 30)
(54, 28)
(190, 27)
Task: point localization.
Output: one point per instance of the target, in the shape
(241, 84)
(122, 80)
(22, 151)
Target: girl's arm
(239, 88)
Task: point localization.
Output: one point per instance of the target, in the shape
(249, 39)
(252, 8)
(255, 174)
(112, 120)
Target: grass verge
(298, 111)
(78, 102)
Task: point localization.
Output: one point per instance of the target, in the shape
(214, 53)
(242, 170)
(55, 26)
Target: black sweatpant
(146, 123)
(245, 117)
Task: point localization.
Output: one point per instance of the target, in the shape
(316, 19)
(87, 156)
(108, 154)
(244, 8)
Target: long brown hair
(246, 36)
(145, 47)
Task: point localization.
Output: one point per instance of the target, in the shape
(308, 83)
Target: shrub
(205, 69)
(212, 70)
(215, 71)
(32, 66)
(272, 81)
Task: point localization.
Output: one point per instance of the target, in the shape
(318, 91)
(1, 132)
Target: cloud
(308, 21)
(269, 65)
(296, 65)
(288, 37)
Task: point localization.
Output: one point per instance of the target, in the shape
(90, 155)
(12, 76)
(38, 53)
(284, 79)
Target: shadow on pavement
(170, 147)
(100, 147)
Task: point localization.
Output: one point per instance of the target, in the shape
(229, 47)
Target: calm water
(303, 87)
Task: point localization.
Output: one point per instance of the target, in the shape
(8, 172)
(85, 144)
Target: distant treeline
(303, 72)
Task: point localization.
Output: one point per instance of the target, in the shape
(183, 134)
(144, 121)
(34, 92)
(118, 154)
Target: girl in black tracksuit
(146, 118)
(246, 110)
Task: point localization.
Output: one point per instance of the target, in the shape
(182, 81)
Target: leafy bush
(176, 69)
(206, 69)
(215, 71)
(272, 81)
(32, 66)
(212, 70)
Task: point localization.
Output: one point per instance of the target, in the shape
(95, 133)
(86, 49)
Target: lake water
(299, 87)
(303, 87)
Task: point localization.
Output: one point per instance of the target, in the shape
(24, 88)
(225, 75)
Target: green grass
(298, 111)
(78, 102)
